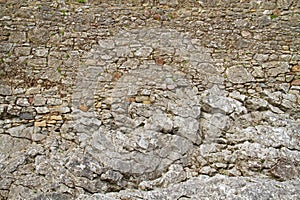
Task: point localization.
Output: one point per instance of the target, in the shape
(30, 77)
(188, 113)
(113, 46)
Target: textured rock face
(165, 99)
(204, 187)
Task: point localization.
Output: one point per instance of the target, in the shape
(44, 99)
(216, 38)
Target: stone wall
(168, 99)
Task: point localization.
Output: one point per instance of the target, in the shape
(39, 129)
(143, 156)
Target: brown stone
(296, 68)
(40, 124)
(131, 99)
(157, 17)
(57, 118)
(159, 61)
(117, 75)
(296, 82)
(83, 108)
(147, 102)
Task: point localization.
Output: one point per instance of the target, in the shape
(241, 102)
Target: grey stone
(39, 36)
(200, 57)
(261, 57)
(21, 131)
(23, 102)
(256, 104)
(61, 109)
(27, 116)
(33, 90)
(188, 128)
(17, 37)
(111, 176)
(6, 47)
(238, 74)
(237, 95)
(52, 74)
(5, 90)
(3, 107)
(14, 110)
(284, 4)
(37, 62)
(41, 52)
(123, 51)
(42, 110)
(54, 101)
(39, 100)
(22, 51)
(159, 122)
(276, 68)
(215, 103)
(144, 52)
(19, 90)
(106, 44)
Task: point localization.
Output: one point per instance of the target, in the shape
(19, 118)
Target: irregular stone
(237, 95)
(276, 68)
(13, 110)
(40, 124)
(215, 103)
(52, 74)
(60, 109)
(17, 37)
(83, 107)
(238, 74)
(10, 144)
(175, 174)
(37, 62)
(39, 36)
(188, 128)
(261, 57)
(55, 117)
(37, 136)
(111, 176)
(296, 82)
(22, 51)
(42, 110)
(200, 57)
(54, 101)
(53, 195)
(33, 90)
(106, 44)
(2, 109)
(296, 68)
(123, 51)
(41, 52)
(19, 90)
(207, 68)
(159, 122)
(26, 116)
(21, 131)
(144, 52)
(6, 47)
(5, 90)
(39, 100)
(258, 72)
(256, 104)
(23, 102)
(214, 126)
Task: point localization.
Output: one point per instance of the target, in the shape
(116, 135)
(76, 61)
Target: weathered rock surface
(166, 99)
(220, 186)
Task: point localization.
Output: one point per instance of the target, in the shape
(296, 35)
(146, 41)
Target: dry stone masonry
(162, 99)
